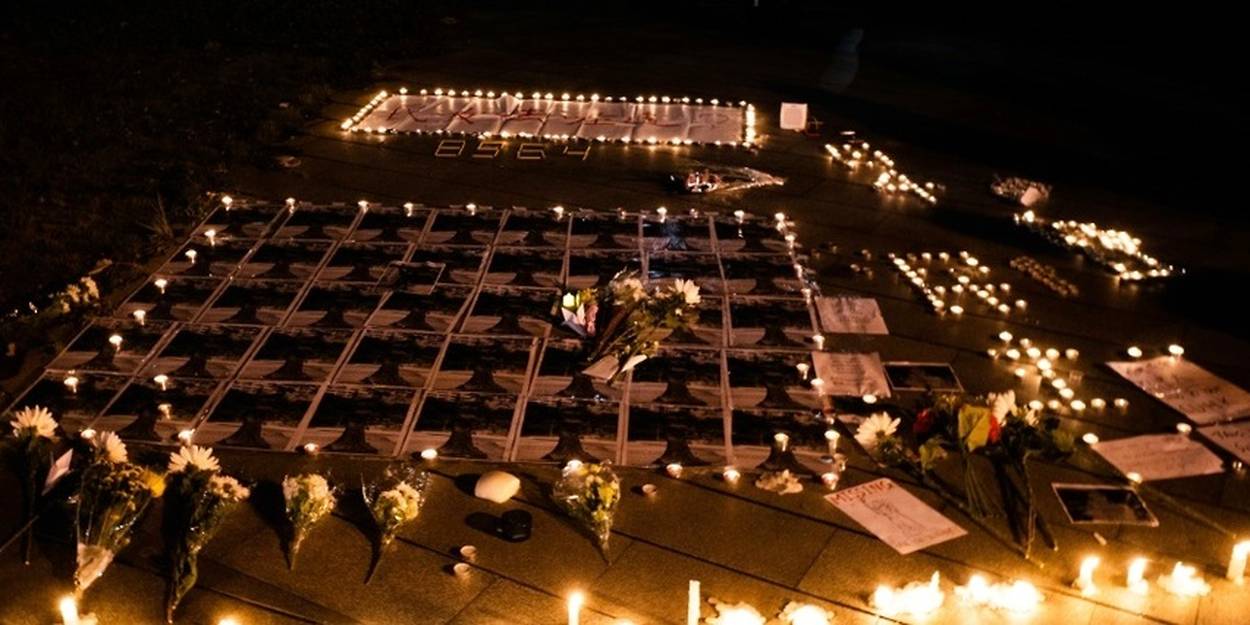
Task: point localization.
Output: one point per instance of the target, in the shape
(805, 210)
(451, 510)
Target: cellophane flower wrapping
(396, 499)
(309, 500)
(112, 500)
(200, 499)
(639, 319)
(590, 493)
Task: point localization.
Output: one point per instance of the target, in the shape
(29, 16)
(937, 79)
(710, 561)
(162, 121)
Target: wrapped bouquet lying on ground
(638, 318)
(394, 501)
(589, 492)
(979, 432)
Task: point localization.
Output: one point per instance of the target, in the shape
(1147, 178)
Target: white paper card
(793, 116)
(1187, 388)
(1234, 437)
(850, 315)
(851, 375)
(899, 518)
(1030, 196)
(1160, 456)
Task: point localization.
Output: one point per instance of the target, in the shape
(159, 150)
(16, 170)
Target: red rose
(924, 422)
(996, 430)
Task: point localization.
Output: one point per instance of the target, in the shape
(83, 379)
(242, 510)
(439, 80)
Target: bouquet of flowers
(309, 499)
(200, 501)
(34, 434)
(589, 493)
(114, 495)
(579, 310)
(394, 501)
(990, 427)
(640, 318)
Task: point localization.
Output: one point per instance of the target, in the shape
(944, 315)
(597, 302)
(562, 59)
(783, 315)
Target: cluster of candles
(965, 272)
(1025, 358)
(888, 178)
(1183, 580)
(750, 137)
(781, 441)
(1117, 250)
(1045, 275)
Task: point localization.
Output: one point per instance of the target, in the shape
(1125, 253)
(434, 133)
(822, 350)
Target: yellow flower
(155, 482)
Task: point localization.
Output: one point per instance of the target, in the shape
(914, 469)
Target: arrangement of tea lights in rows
(1044, 274)
(967, 274)
(1026, 357)
(750, 137)
(919, 599)
(781, 441)
(889, 179)
(801, 273)
(1182, 580)
(1116, 250)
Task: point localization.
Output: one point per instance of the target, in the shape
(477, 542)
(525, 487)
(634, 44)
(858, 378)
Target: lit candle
(228, 621)
(1085, 581)
(1237, 563)
(162, 380)
(226, 201)
(661, 211)
(161, 283)
(311, 449)
(575, 607)
(803, 369)
(1176, 350)
(740, 215)
(116, 341)
(1184, 581)
(140, 315)
(166, 410)
(1134, 351)
(829, 479)
(869, 398)
(819, 340)
(781, 440)
(693, 601)
(71, 382)
(211, 235)
(185, 436)
(1136, 580)
(731, 475)
(831, 439)
(429, 453)
(364, 206)
(191, 254)
(818, 385)
(674, 469)
(69, 611)
(290, 204)
(559, 211)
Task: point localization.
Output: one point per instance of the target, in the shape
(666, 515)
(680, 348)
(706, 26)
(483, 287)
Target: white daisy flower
(34, 421)
(227, 487)
(111, 447)
(875, 428)
(689, 291)
(195, 457)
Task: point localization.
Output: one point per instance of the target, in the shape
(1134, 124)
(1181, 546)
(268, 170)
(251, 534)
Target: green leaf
(930, 453)
(974, 426)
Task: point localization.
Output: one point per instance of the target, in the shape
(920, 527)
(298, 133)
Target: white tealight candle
(226, 201)
(819, 340)
(116, 341)
(71, 382)
(1136, 580)
(740, 215)
(781, 441)
(803, 369)
(576, 600)
(1085, 581)
(211, 235)
(161, 283)
(674, 469)
(140, 316)
(1134, 351)
(185, 436)
(818, 385)
(559, 211)
(1176, 350)
(162, 380)
(693, 602)
(731, 475)
(311, 449)
(869, 398)
(429, 453)
(1237, 563)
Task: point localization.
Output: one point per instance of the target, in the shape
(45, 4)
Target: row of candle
(750, 136)
(888, 179)
(1044, 274)
(1183, 580)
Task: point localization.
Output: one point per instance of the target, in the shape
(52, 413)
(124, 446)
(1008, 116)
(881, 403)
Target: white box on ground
(793, 116)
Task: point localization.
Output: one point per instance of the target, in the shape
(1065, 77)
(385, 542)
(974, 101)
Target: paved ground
(744, 544)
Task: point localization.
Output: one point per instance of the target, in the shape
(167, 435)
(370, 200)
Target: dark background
(115, 120)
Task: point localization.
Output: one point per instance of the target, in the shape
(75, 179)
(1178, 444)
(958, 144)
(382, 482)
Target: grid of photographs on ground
(388, 330)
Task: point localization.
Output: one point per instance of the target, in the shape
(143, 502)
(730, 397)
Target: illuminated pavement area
(743, 544)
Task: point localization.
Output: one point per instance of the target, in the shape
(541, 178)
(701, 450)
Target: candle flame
(916, 598)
